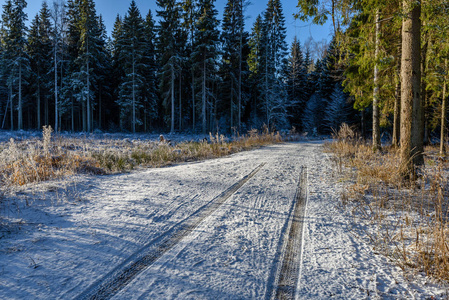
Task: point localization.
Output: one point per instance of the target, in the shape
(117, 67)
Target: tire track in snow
(120, 276)
(287, 277)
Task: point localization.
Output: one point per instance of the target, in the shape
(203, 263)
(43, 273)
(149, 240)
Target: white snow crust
(58, 238)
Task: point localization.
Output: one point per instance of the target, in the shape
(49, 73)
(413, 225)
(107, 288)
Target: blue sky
(110, 8)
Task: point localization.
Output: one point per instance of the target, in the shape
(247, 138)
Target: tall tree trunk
(376, 125)
(172, 91)
(12, 105)
(397, 102)
(411, 107)
(240, 64)
(84, 119)
(20, 117)
(39, 125)
(73, 116)
(204, 97)
(56, 91)
(89, 126)
(134, 96)
(232, 103)
(443, 113)
(192, 31)
(180, 100)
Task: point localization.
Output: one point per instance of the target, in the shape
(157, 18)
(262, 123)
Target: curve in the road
(118, 278)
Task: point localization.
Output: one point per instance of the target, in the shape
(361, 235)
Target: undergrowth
(406, 221)
(54, 156)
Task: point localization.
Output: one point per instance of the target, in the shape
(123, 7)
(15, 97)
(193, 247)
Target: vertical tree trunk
(240, 64)
(84, 116)
(12, 105)
(134, 98)
(193, 82)
(443, 114)
(204, 97)
(397, 103)
(425, 47)
(56, 90)
(73, 116)
(376, 125)
(266, 91)
(99, 109)
(39, 125)
(20, 117)
(89, 128)
(180, 100)
(172, 88)
(232, 103)
(411, 152)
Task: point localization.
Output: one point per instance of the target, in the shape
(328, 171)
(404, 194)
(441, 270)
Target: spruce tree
(168, 48)
(40, 53)
(15, 30)
(190, 15)
(254, 62)
(206, 53)
(296, 80)
(133, 57)
(273, 61)
(150, 72)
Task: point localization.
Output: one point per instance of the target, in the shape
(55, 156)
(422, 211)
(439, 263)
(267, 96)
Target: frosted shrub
(46, 139)
(12, 154)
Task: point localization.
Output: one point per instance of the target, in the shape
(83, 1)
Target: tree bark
(134, 93)
(89, 127)
(172, 92)
(397, 102)
(204, 97)
(376, 126)
(56, 89)
(39, 124)
(20, 119)
(443, 114)
(411, 106)
(240, 64)
(12, 105)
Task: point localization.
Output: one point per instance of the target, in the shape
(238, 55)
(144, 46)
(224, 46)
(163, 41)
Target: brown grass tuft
(406, 222)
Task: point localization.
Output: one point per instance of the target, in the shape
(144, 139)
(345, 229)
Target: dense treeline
(395, 62)
(180, 69)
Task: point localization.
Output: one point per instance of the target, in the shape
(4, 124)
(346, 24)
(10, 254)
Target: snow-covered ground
(58, 239)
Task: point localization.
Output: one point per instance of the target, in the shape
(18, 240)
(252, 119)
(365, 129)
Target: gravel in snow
(59, 238)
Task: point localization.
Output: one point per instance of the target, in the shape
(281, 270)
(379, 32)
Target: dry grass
(406, 221)
(35, 160)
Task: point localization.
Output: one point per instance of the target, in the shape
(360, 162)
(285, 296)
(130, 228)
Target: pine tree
(206, 53)
(233, 42)
(40, 52)
(58, 15)
(296, 80)
(190, 15)
(86, 44)
(254, 62)
(14, 18)
(338, 110)
(273, 61)
(168, 47)
(150, 89)
(132, 45)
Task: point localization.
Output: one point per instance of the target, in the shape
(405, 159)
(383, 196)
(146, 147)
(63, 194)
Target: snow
(58, 238)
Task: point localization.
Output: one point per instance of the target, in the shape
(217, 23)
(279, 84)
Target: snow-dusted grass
(406, 221)
(38, 159)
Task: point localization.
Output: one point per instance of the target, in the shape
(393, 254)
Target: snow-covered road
(216, 229)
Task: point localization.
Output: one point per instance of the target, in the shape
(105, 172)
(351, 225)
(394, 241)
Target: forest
(183, 69)
(186, 72)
